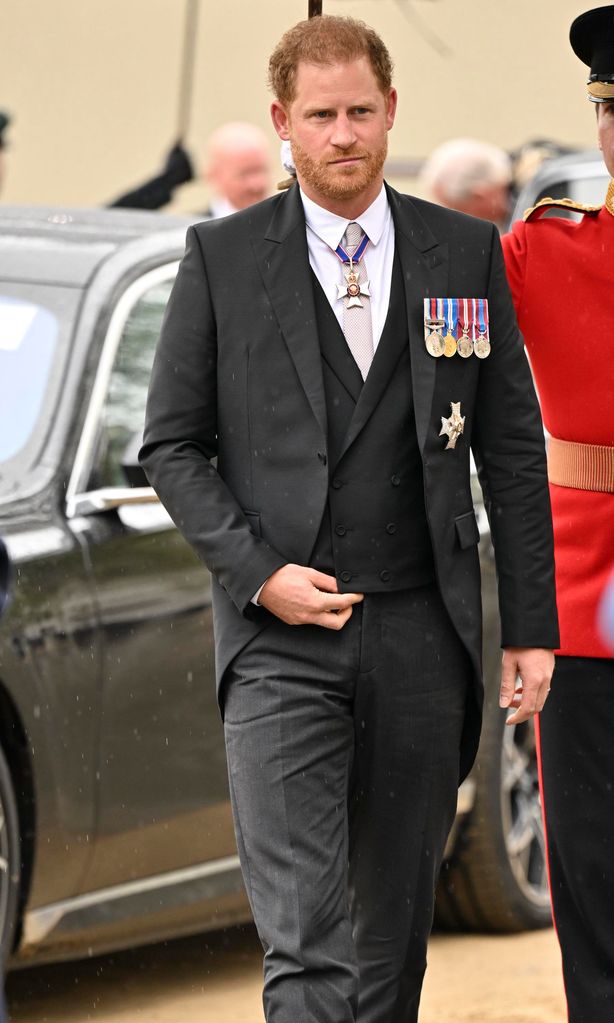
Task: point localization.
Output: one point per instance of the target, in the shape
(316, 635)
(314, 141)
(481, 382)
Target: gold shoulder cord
(535, 212)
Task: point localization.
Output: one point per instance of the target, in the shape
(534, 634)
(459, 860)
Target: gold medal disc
(465, 346)
(450, 346)
(482, 347)
(435, 344)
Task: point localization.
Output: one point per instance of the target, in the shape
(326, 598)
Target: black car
(115, 823)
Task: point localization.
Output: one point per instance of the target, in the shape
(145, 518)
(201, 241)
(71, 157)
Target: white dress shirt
(324, 233)
(221, 207)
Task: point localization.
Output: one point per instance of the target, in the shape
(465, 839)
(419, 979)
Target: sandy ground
(216, 979)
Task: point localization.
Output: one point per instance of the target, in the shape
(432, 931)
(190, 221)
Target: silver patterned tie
(357, 325)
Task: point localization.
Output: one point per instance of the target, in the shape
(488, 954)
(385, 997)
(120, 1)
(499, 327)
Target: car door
(163, 799)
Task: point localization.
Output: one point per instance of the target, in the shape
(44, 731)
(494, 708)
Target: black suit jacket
(238, 378)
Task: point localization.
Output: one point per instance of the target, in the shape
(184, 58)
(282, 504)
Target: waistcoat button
(340, 530)
(345, 576)
(385, 576)
(391, 527)
(395, 480)
(336, 484)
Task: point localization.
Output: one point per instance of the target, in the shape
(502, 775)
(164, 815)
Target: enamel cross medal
(353, 287)
(453, 426)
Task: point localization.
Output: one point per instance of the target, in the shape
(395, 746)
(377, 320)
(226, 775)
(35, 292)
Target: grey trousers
(343, 755)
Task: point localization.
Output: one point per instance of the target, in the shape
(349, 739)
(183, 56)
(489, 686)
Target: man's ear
(280, 119)
(391, 108)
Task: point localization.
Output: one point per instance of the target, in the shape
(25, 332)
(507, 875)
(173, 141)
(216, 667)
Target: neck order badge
(357, 325)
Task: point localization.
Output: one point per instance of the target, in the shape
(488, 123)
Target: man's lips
(346, 160)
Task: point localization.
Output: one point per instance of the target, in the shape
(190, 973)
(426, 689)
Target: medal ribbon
(358, 254)
(481, 314)
(466, 317)
(452, 304)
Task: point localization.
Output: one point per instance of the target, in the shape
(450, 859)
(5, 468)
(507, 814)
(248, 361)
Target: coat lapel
(424, 262)
(283, 259)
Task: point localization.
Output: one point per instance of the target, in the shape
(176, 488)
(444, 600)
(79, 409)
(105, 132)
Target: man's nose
(343, 133)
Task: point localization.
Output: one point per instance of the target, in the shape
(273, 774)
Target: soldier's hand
(525, 681)
(303, 596)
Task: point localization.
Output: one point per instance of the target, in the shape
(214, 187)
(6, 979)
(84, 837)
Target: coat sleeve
(180, 440)
(509, 450)
(515, 256)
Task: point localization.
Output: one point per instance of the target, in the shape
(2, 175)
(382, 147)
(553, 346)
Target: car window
(36, 323)
(123, 412)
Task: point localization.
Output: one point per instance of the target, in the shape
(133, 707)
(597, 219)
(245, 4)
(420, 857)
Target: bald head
(238, 165)
(471, 176)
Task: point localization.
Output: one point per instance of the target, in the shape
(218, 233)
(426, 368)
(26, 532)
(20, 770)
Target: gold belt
(583, 466)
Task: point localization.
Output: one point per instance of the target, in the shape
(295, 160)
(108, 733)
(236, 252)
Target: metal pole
(188, 55)
(315, 8)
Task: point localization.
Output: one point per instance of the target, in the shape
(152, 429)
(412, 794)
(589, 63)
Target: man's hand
(302, 596)
(533, 668)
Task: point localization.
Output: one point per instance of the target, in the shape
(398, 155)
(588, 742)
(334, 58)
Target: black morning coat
(236, 432)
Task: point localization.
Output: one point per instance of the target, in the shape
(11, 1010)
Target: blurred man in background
(470, 176)
(561, 276)
(238, 167)
(237, 171)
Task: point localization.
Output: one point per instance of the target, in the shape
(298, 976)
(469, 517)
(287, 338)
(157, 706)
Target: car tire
(496, 878)
(9, 860)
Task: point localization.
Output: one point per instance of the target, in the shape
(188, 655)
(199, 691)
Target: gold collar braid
(609, 199)
(600, 92)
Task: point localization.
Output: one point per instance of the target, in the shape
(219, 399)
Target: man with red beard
(310, 441)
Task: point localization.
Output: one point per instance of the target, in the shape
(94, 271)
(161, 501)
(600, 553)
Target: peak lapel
(424, 262)
(283, 260)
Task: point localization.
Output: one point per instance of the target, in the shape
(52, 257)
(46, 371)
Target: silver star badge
(352, 289)
(453, 426)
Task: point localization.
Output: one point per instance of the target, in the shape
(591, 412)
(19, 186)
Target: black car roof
(65, 246)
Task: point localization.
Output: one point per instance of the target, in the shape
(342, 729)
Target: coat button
(345, 577)
(340, 530)
(391, 527)
(322, 457)
(395, 480)
(336, 484)
(385, 576)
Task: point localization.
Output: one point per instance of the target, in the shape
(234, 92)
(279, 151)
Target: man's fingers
(332, 620)
(528, 701)
(338, 601)
(321, 581)
(508, 680)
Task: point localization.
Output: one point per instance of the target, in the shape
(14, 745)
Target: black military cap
(592, 40)
(4, 123)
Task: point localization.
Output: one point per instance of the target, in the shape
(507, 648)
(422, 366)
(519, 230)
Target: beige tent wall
(93, 84)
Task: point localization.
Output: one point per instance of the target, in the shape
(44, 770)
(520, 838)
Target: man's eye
(321, 115)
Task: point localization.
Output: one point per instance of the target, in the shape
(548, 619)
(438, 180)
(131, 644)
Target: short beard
(343, 183)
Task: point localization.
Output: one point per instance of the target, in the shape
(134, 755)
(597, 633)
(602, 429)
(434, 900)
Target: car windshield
(35, 325)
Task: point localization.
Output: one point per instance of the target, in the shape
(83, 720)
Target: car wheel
(496, 878)
(9, 860)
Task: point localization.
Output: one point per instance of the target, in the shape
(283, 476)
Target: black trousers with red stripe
(577, 757)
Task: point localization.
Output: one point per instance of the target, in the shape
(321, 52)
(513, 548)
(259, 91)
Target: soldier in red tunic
(562, 278)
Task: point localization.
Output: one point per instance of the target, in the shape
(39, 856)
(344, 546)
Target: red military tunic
(562, 278)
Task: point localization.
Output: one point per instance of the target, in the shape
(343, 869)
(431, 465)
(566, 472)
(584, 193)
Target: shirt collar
(221, 207)
(330, 228)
